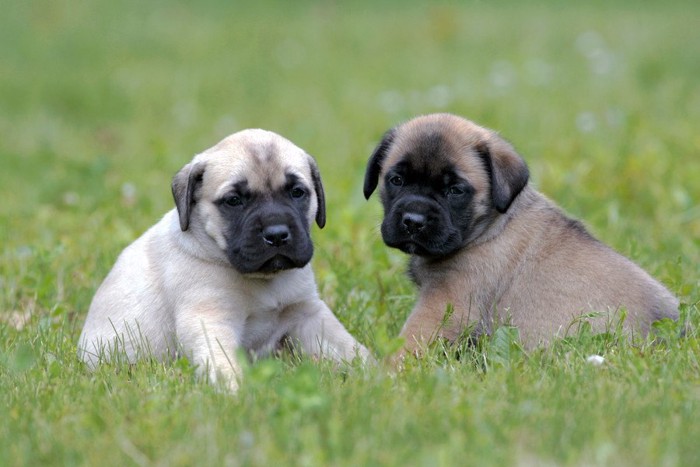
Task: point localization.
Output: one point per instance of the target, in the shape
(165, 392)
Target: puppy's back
(121, 315)
(566, 273)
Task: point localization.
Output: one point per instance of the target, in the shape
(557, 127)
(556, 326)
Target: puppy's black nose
(413, 222)
(276, 235)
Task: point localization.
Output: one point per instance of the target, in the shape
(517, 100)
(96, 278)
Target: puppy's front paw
(225, 382)
(365, 355)
(396, 361)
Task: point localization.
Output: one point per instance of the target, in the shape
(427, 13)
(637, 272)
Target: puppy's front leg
(210, 337)
(429, 319)
(320, 334)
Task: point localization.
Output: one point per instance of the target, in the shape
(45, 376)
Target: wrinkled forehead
(435, 150)
(265, 162)
(427, 153)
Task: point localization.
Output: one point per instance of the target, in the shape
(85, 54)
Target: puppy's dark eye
(396, 180)
(297, 192)
(233, 200)
(455, 190)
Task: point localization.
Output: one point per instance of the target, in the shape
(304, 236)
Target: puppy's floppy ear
(320, 195)
(508, 171)
(374, 165)
(185, 183)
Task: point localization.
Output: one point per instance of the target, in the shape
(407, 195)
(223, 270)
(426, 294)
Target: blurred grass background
(102, 102)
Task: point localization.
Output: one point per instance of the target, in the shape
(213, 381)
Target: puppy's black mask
(429, 209)
(427, 206)
(265, 232)
(427, 214)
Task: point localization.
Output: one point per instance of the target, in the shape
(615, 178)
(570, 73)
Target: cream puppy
(226, 270)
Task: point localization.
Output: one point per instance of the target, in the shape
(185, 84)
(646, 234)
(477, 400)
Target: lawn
(102, 102)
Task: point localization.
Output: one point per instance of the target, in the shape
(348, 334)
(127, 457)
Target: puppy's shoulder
(155, 250)
(572, 227)
(160, 235)
(554, 220)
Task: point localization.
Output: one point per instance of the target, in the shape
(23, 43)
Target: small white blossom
(595, 360)
(391, 101)
(71, 198)
(128, 193)
(586, 122)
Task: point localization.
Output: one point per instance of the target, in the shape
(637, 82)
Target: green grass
(103, 101)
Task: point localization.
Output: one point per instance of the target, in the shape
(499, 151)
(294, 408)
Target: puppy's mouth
(249, 254)
(418, 249)
(410, 247)
(278, 263)
(267, 264)
(425, 244)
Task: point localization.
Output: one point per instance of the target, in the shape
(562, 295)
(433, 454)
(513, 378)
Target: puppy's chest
(467, 280)
(268, 318)
(264, 329)
(269, 299)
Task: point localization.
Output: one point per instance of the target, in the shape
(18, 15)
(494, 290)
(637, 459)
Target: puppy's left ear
(374, 165)
(185, 183)
(508, 171)
(320, 195)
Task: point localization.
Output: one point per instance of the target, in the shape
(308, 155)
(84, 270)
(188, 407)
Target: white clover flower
(595, 360)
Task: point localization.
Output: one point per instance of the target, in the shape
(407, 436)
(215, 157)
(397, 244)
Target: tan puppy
(485, 243)
(227, 269)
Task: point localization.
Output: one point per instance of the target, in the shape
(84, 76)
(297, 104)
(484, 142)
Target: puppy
(488, 247)
(227, 269)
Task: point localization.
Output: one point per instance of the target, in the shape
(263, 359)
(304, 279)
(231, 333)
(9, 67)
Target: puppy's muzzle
(416, 214)
(417, 225)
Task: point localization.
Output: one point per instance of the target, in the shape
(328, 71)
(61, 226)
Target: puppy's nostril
(276, 235)
(413, 222)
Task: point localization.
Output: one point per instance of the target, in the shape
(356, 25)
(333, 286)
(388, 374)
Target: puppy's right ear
(185, 183)
(320, 195)
(508, 172)
(374, 165)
